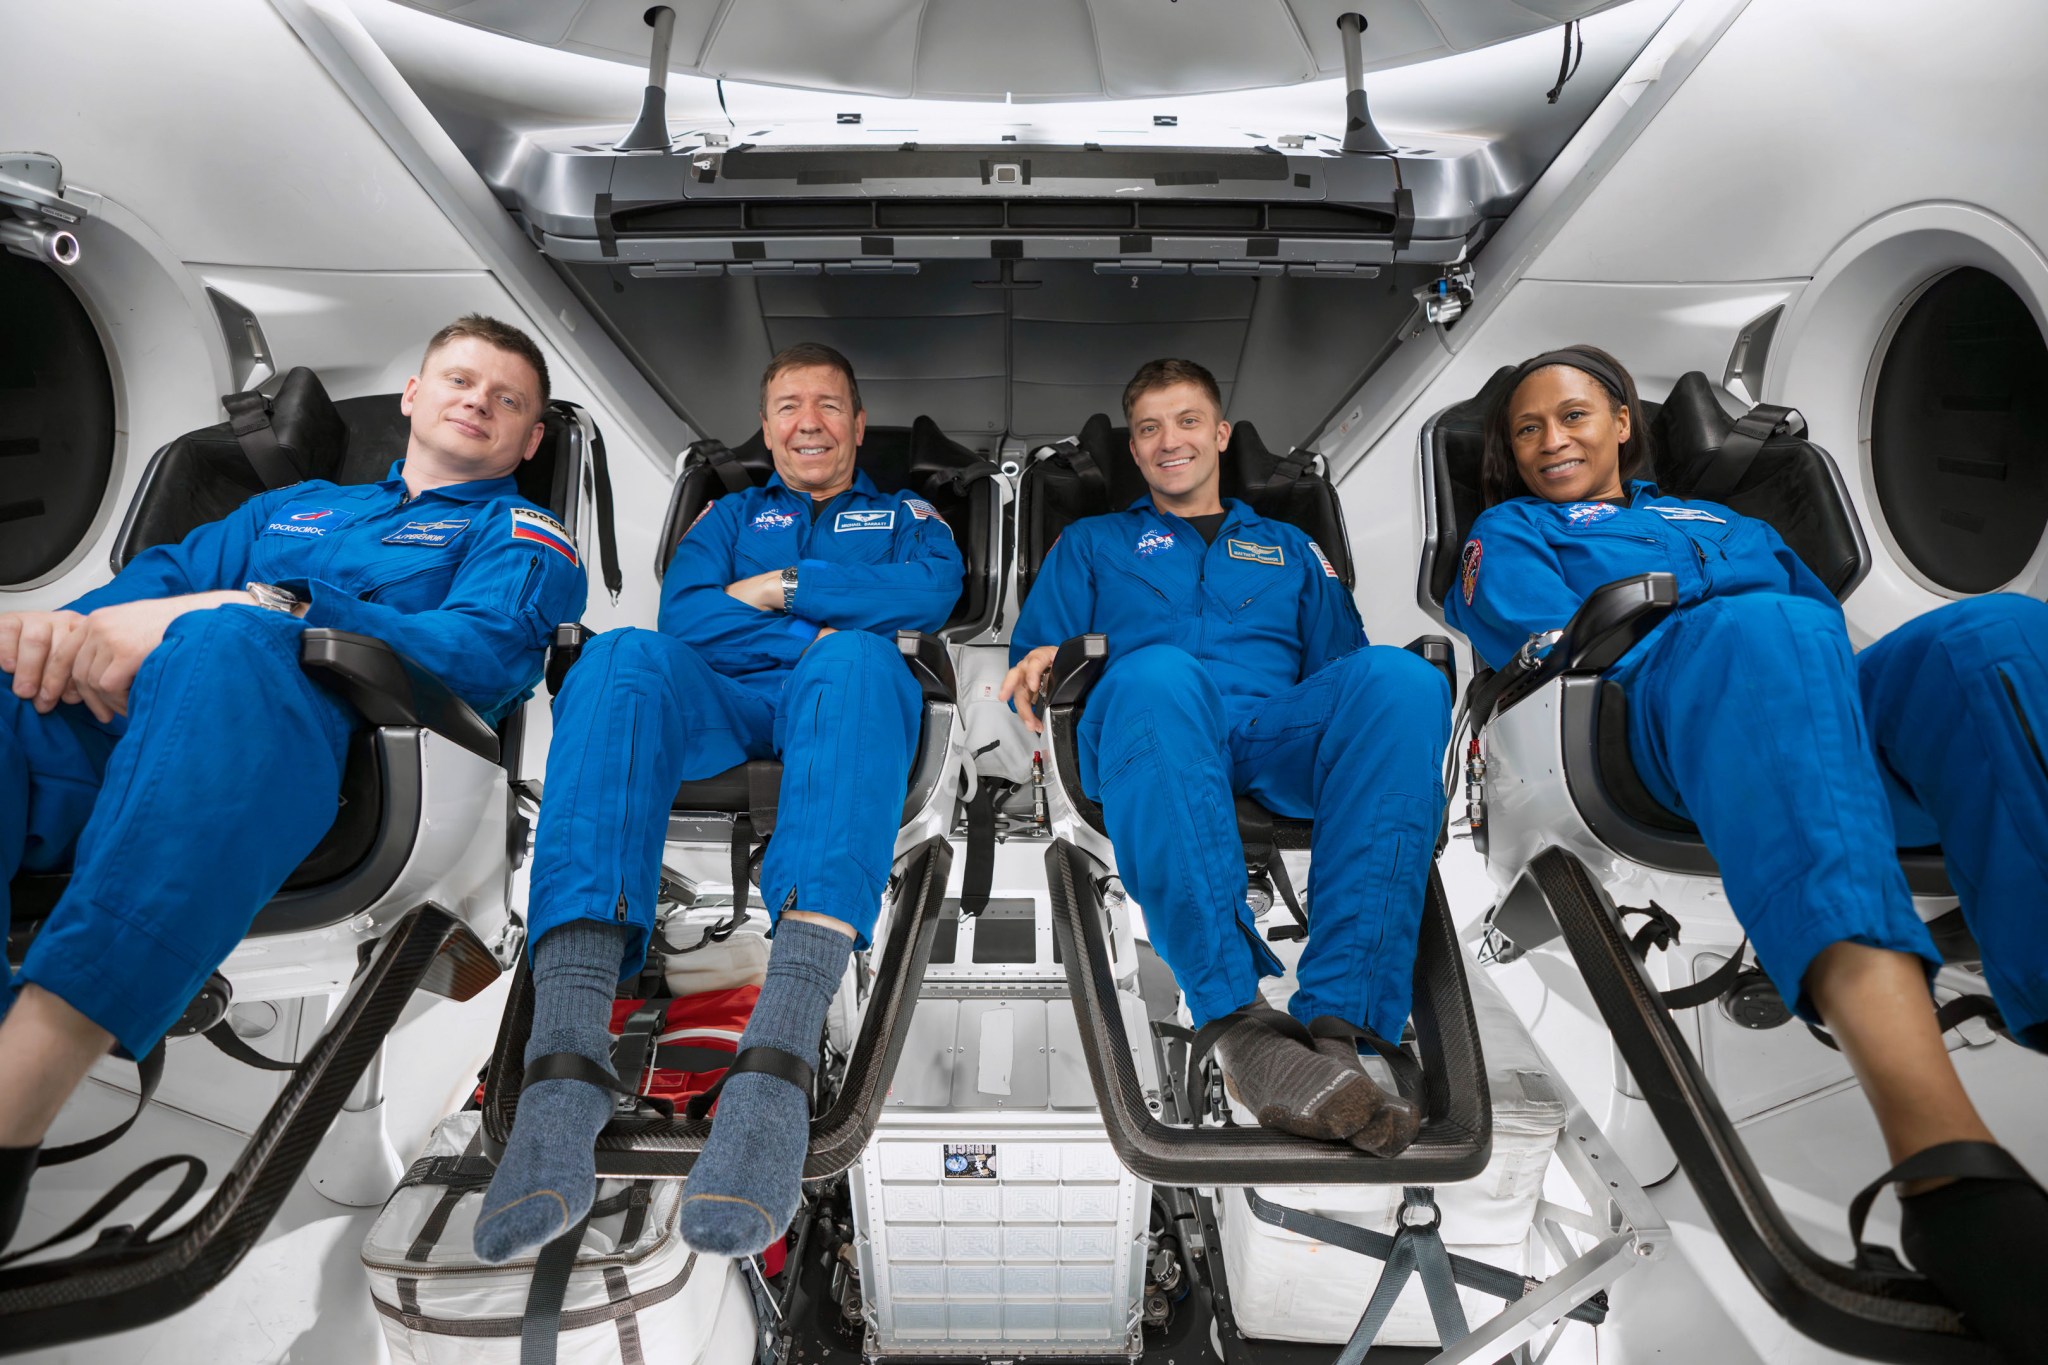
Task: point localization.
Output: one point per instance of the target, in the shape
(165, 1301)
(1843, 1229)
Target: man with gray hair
(775, 637)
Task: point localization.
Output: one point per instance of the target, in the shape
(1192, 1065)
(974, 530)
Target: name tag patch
(537, 527)
(1589, 513)
(772, 520)
(1257, 554)
(1154, 542)
(883, 520)
(307, 521)
(427, 532)
(1688, 514)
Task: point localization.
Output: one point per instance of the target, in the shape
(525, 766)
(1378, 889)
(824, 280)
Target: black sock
(1985, 1244)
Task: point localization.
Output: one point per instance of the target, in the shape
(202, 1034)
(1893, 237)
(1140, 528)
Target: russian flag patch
(531, 524)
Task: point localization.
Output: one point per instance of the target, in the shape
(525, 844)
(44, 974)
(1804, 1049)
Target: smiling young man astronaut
(776, 626)
(161, 741)
(1238, 664)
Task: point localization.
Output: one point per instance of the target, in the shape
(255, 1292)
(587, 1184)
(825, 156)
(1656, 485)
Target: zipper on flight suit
(2026, 728)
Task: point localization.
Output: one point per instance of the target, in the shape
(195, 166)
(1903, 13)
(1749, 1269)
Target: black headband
(1608, 375)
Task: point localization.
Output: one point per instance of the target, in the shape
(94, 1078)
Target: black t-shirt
(1207, 526)
(818, 506)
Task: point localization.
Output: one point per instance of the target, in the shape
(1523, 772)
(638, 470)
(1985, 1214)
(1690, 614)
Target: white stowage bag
(637, 1294)
(1286, 1287)
(997, 744)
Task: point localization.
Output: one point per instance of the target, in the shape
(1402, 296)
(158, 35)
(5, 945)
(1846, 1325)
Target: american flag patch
(532, 524)
(921, 509)
(1329, 571)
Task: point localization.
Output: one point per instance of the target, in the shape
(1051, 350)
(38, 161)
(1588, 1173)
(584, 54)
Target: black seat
(1095, 474)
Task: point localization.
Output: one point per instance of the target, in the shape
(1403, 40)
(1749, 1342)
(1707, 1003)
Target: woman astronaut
(1805, 766)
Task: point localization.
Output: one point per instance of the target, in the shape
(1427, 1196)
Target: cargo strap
(977, 877)
(1418, 1250)
(1477, 1275)
(541, 1325)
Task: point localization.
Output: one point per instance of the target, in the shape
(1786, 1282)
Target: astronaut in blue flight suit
(1804, 766)
(777, 624)
(1238, 664)
(161, 741)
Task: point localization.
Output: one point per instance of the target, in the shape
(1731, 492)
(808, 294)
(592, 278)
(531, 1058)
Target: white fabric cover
(1285, 1287)
(449, 1308)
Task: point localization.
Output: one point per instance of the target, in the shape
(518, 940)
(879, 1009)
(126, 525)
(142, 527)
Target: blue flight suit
(181, 819)
(1241, 666)
(722, 682)
(1804, 764)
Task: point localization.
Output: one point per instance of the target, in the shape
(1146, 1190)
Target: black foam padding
(1054, 494)
(56, 420)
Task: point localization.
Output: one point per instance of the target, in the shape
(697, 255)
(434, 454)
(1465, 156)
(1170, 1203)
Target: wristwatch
(789, 588)
(274, 598)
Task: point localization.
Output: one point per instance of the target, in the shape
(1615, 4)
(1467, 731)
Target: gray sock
(548, 1177)
(745, 1187)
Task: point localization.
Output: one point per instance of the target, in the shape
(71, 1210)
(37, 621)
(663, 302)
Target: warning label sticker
(970, 1161)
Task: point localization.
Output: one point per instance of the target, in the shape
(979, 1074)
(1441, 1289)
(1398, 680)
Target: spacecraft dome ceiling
(1036, 50)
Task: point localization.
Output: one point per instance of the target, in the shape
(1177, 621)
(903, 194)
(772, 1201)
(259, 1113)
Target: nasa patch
(1468, 569)
(1589, 513)
(772, 520)
(882, 520)
(307, 521)
(427, 532)
(1329, 570)
(1152, 543)
(1256, 553)
(1688, 514)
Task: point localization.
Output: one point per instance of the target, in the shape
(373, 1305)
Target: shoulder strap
(1740, 450)
(1086, 469)
(249, 418)
(607, 533)
(725, 464)
(1292, 466)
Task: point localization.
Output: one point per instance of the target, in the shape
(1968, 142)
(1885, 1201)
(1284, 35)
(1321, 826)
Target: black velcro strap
(224, 1037)
(1207, 1035)
(1660, 932)
(249, 417)
(1740, 450)
(742, 865)
(1708, 988)
(572, 1066)
(725, 464)
(149, 1073)
(541, 1324)
(1960, 1010)
(607, 532)
(1961, 1160)
(195, 1176)
(769, 1061)
(978, 876)
(690, 1058)
(1407, 1071)
(1086, 470)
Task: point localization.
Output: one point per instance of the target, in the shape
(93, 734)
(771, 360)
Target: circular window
(56, 420)
(1959, 433)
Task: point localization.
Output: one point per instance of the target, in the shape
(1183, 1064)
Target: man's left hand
(118, 638)
(763, 590)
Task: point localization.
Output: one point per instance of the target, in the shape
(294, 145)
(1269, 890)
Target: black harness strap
(1740, 450)
(769, 1061)
(637, 1041)
(725, 464)
(607, 532)
(249, 417)
(113, 1238)
(224, 1037)
(742, 867)
(149, 1073)
(1083, 463)
(1661, 932)
(541, 1324)
(978, 876)
(1283, 886)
